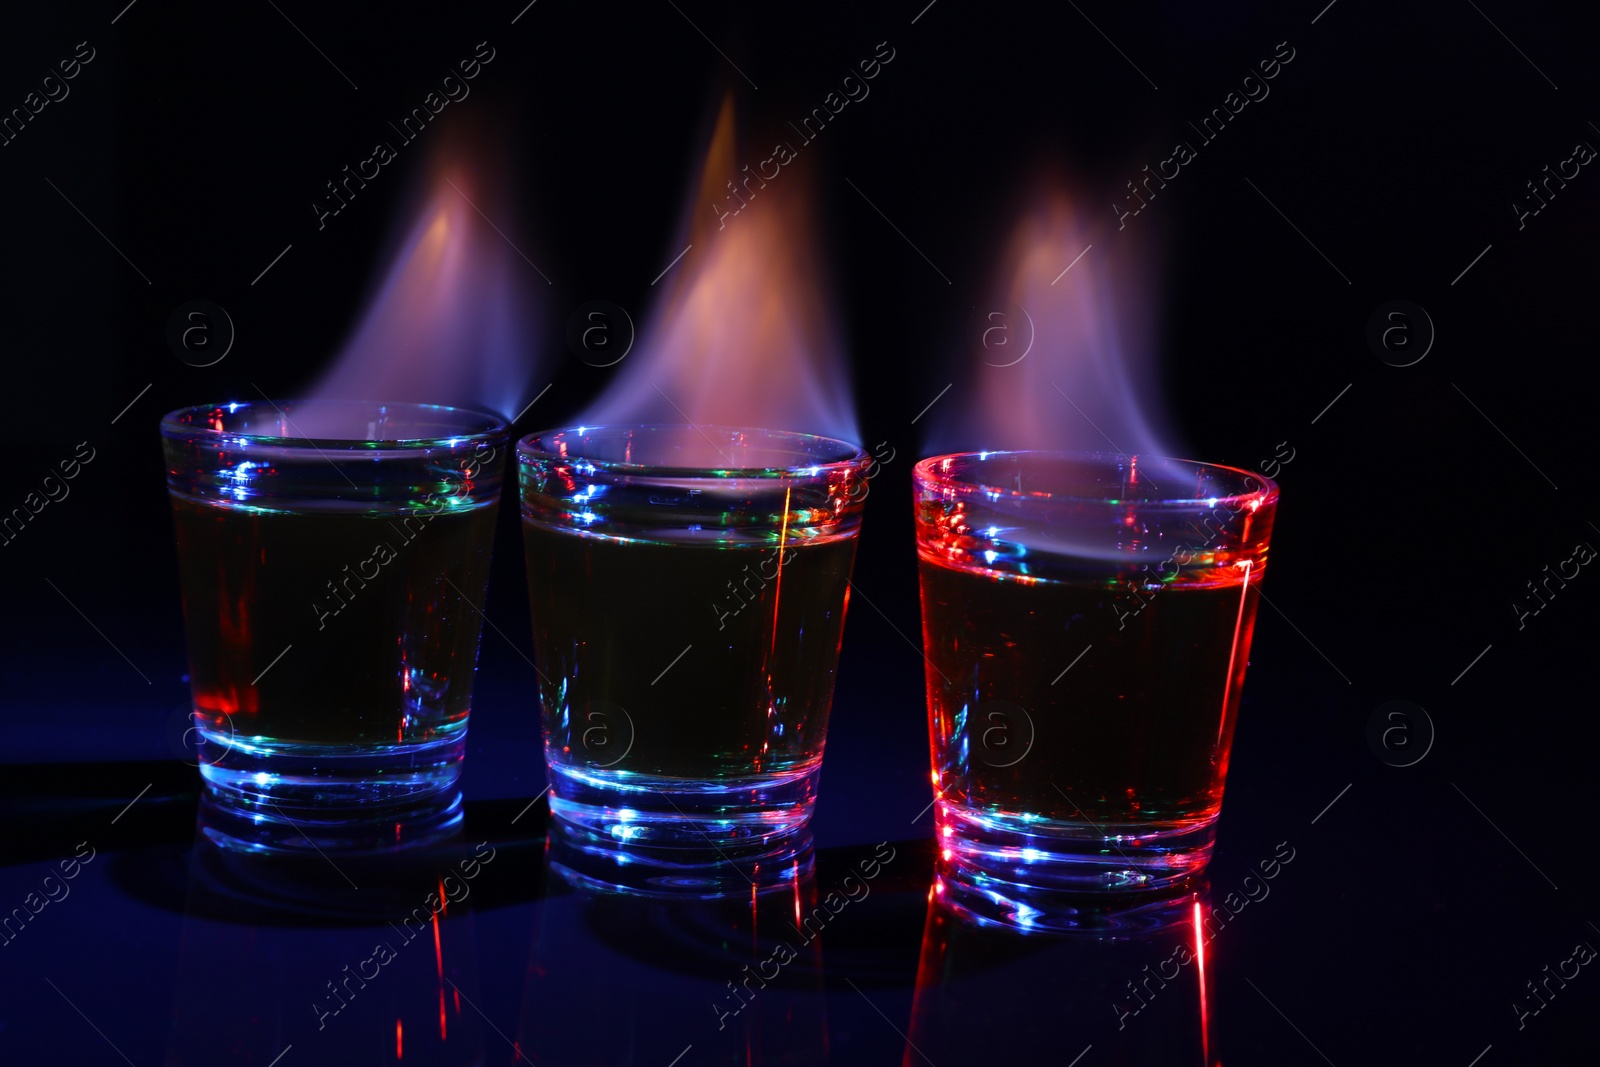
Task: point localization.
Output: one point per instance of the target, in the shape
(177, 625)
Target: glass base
(1006, 870)
(277, 796)
(734, 818)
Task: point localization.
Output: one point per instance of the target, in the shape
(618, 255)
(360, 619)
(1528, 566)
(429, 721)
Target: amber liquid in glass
(749, 697)
(381, 640)
(1134, 736)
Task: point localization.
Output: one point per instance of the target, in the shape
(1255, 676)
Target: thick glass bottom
(747, 815)
(281, 796)
(1010, 871)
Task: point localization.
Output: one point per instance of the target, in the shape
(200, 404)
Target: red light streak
(1233, 650)
(399, 1041)
(777, 598)
(438, 955)
(1200, 960)
(777, 582)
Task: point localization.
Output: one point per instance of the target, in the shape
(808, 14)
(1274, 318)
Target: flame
(1060, 355)
(743, 334)
(448, 320)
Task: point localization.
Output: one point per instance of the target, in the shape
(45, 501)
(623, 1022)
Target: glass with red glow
(333, 556)
(1086, 622)
(688, 587)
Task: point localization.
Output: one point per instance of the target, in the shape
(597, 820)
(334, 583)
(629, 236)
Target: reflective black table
(130, 938)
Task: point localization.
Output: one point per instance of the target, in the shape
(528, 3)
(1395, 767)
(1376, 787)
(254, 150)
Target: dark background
(1412, 516)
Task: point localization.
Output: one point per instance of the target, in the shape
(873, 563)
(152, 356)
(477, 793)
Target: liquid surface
(373, 611)
(695, 661)
(1136, 732)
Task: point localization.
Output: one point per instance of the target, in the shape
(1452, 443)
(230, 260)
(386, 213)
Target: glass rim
(857, 455)
(487, 426)
(924, 470)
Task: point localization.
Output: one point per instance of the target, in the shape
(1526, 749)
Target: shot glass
(333, 557)
(688, 589)
(1086, 621)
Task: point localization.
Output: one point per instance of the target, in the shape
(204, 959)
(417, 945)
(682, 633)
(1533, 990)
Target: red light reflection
(1200, 962)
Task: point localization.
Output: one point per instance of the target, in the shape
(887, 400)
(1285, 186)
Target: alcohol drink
(1086, 625)
(751, 694)
(382, 648)
(332, 556)
(1134, 736)
(688, 589)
